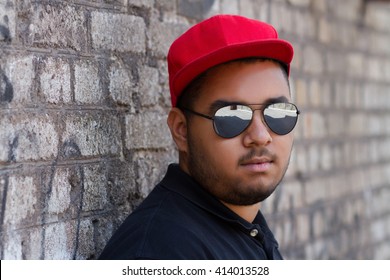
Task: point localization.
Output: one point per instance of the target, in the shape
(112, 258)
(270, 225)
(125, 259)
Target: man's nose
(257, 134)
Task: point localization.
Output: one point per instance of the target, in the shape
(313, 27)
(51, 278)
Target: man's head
(221, 39)
(229, 122)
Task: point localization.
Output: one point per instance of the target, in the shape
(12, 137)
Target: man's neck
(247, 212)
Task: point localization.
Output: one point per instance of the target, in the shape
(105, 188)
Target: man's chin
(248, 199)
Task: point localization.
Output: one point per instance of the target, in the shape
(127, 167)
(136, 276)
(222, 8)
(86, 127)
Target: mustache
(256, 153)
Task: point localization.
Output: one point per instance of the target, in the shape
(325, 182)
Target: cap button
(254, 232)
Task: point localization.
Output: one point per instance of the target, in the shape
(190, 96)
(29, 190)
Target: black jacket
(181, 220)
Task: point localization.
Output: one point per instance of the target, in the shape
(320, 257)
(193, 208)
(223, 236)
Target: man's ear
(177, 123)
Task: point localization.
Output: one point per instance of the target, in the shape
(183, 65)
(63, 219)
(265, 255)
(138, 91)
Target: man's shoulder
(162, 227)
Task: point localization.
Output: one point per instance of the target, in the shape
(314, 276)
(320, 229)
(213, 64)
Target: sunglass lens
(281, 118)
(230, 121)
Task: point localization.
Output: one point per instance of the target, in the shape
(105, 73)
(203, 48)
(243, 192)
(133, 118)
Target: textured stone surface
(62, 26)
(55, 81)
(118, 32)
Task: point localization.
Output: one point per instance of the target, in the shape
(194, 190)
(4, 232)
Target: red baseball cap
(220, 39)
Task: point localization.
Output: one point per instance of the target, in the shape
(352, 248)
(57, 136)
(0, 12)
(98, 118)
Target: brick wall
(83, 139)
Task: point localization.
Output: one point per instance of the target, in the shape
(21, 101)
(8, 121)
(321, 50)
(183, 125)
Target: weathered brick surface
(117, 32)
(83, 137)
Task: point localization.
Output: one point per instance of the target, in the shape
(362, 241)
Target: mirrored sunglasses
(231, 120)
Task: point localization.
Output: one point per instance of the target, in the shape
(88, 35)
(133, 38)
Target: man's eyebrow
(217, 104)
(281, 98)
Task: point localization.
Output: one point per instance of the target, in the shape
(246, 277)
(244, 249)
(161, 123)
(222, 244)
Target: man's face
(246, 169)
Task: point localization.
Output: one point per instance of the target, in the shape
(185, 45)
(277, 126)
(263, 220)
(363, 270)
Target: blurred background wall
(83, 139)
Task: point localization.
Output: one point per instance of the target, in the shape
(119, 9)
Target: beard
(229, 188)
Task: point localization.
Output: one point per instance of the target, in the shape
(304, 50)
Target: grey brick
(59, 240)
(149, 174)
(18, 76)
(61, 26)
(313, 60)
(149, 88)
(143, 3)
(21, 207)
(55, 81)
(195, 9)
(94, 134)
(23, 244)
(88, 88)
(121, 84)
(7, 21)
(86, 249)
(60, 197)
(95, 188)
(118, 32)
(147, 130)
(27, 137)
(162, 34)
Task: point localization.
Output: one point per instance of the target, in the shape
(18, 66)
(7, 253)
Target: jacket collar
(183, 184)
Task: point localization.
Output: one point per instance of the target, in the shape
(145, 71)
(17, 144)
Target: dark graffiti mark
(4, 32)
(12, 148)
(76, 180)
(2, 213)
(6, 88)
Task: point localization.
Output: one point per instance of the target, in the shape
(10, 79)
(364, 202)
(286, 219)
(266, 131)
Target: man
(231, 120)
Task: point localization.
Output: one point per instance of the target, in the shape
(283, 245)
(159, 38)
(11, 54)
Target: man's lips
(257, 164)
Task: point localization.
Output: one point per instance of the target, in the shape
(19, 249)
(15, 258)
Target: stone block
(316, 94)
(162, 34)
(254, 9)
(149, 87)
(12, 247)
(349, 10)
(197, 9)
(121, 85)
(355, 64)
(118, 32)
(147, 130)
(86, 248)
(291, 196)
(231, 7)
(281, 18)
(59, 242)
(26, 137)
(61, 26)
(303, 227)
(93, 134)
(7, 21)
(88, 87)
(95, 188)
(55, 81)
(22, 205)
(304, 23)
(16, 79)
(148, 173)
(164, 82)
(314, 125)
(142, 3)
(377, 15)
(60, 196)
(23, 244)
(324, 30)
(121, 186)
(320, 6)
(313, 60)
(300, 3)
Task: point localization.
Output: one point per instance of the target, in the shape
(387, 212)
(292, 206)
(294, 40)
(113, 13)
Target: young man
(231, 120)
